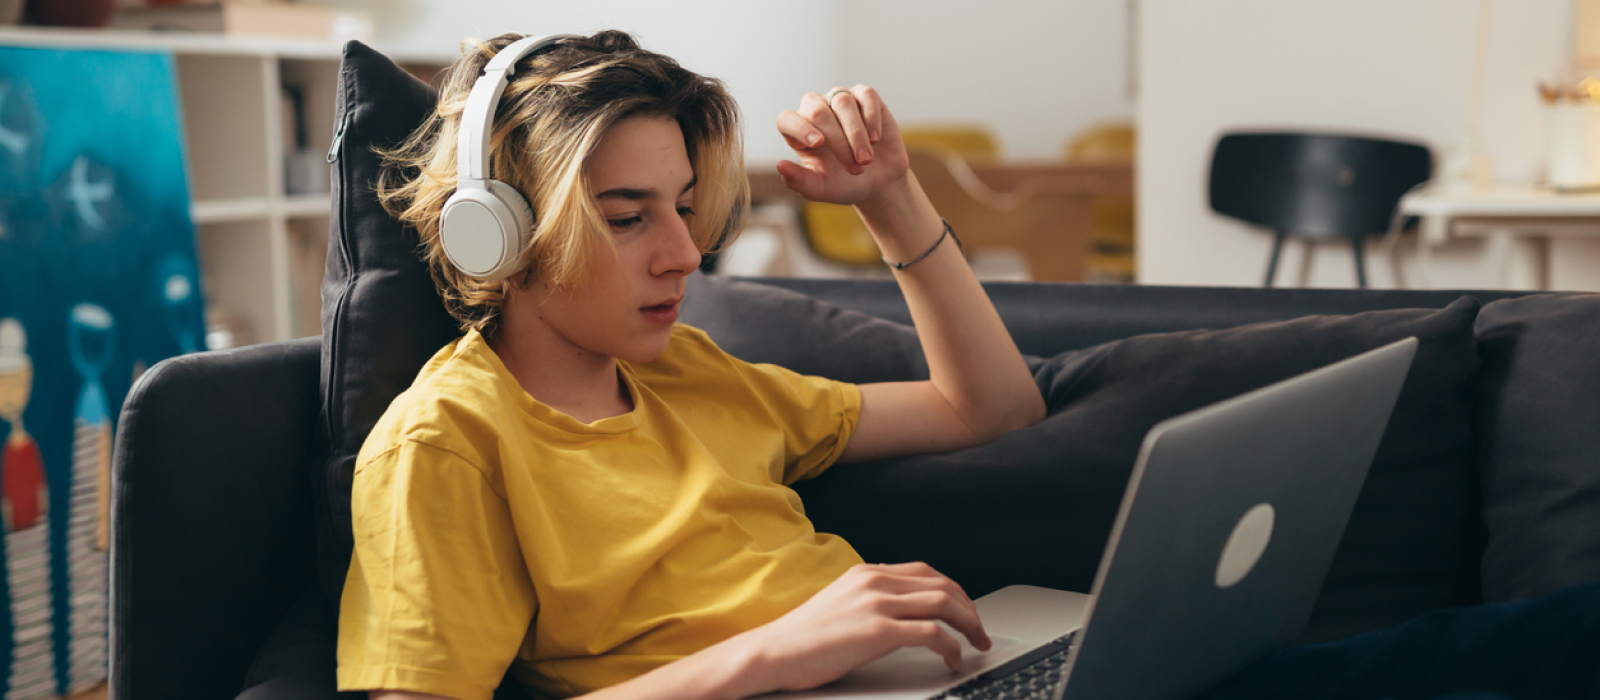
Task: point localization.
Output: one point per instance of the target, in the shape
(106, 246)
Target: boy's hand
(848, 145)
(868, 612)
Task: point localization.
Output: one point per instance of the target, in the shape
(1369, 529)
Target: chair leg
(1361, 263)
(1277, 248)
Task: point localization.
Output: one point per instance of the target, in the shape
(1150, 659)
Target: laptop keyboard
(1032, 676)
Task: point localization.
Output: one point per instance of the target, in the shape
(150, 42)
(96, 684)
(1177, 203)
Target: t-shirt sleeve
(438, 599)
(818, 416)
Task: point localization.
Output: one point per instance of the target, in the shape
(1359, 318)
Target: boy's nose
(679, 253)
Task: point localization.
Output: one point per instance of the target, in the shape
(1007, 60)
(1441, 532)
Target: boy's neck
(559, 374)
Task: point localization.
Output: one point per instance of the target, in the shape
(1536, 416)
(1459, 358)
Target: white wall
(768, 53)
(1376, 66)
(1035, 71)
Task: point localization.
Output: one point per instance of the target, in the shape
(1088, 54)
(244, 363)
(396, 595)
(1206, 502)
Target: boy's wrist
(892, 200)
(902, 219)
(743, 668)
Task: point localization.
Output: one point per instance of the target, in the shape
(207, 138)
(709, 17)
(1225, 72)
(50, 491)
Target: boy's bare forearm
(972, 360)
(723, 671)
(403, 695)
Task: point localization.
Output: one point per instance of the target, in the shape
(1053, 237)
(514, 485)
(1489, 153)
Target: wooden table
(1097, 179)
(1107, 179)
(1517, 221)
(1041, 208)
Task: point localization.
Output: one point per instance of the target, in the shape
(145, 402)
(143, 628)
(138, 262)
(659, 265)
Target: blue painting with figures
(98, 280)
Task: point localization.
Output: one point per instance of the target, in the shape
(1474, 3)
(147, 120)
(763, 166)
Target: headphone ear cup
(521, 212)
(484, 230)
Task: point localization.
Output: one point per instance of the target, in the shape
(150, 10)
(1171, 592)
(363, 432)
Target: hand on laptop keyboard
(868, 612)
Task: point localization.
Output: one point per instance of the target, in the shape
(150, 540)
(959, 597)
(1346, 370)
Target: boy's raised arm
(850, 152)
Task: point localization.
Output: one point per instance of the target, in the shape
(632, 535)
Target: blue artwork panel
(98, 280)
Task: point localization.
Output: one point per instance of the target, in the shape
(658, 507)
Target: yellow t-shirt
(492, 530)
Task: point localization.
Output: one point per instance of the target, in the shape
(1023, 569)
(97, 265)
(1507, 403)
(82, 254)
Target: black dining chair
(1315, 186)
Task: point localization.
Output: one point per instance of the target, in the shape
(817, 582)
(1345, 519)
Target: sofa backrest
(1047, 318)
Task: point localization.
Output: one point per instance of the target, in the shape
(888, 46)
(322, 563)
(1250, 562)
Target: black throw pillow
(381, 317)
(1036, 506)
(1539, 443)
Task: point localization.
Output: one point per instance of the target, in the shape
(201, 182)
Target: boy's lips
(664, 312)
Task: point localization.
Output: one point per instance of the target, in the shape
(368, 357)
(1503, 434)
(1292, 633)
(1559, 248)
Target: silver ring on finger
(833, 92)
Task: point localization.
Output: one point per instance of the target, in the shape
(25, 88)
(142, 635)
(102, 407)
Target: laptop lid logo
(1246, 545)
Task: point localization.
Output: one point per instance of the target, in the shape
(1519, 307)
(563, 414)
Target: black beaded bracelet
(947, 232)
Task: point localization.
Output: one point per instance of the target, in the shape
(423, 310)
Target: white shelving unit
(261, 249)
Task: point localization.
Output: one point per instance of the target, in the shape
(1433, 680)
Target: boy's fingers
(814, 108)
(937, 605)
(922, 570)
(848, 110)
(872, 110)
(798, 178)
(927, 633)
(798, 131)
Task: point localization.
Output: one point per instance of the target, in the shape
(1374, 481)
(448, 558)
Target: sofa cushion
(1406, 541)
(1539, 443)
(985, 515)
(761, 323)
(1542, 648)
(381, 318)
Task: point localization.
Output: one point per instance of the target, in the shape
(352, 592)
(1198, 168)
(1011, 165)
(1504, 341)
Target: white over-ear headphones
(486, 223)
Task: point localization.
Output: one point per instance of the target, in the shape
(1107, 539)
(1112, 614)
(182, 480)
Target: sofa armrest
(211, 516)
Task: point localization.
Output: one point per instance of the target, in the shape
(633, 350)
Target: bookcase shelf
(262, 249)
(307, 206)
(218, 211)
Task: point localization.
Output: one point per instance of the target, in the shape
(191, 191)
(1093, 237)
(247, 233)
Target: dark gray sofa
(217, 454)
(231, 473)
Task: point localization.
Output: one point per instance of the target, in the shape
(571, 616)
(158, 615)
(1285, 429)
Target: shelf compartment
(235, 209)
(239, 271)
(318, 84)
(225, 120)
(308, 257)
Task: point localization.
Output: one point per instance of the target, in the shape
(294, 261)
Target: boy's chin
(647, 349)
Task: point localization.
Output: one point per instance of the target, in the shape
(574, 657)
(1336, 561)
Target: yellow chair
(1115, 142)
(1113, 259)
(835, 232)
(974, 144)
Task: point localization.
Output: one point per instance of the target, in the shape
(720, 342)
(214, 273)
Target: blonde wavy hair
(551, 117)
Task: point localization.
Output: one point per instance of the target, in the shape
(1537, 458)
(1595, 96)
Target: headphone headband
(477, 120)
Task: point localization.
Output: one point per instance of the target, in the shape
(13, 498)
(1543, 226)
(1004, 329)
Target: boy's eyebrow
(638, 193)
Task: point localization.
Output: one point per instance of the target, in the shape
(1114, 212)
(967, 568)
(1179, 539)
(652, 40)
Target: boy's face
(643, 184)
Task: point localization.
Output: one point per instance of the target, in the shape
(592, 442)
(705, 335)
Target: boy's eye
(685, 211)
(625, 223)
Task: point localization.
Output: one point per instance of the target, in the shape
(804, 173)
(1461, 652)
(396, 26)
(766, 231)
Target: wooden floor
(96, 693)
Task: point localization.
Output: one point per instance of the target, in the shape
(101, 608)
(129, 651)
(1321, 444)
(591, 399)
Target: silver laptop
(1225, 534)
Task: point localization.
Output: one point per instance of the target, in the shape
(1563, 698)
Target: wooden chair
(1047, 219)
